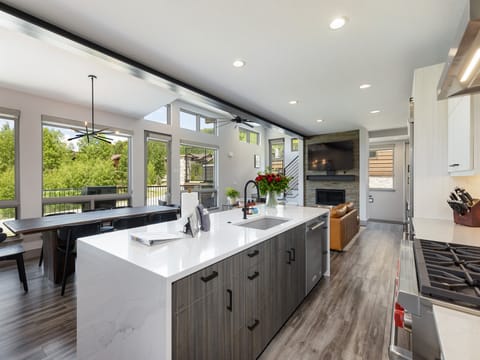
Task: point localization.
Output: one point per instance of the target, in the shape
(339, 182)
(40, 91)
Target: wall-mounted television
(331, 156)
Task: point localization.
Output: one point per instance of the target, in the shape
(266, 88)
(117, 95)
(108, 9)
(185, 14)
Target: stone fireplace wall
(351, 187)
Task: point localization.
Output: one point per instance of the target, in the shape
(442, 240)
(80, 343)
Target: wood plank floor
(345, 317)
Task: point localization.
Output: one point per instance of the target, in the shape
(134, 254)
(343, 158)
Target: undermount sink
(263, 223)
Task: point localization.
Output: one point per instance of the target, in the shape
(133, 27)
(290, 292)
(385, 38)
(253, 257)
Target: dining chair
(129, 222)
(40, 261)
(161, 217)
(14, 252)
(67, 237)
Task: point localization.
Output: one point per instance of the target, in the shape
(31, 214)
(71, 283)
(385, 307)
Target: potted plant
(232, 195)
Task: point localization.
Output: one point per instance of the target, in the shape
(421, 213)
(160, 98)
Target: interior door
(387, 181)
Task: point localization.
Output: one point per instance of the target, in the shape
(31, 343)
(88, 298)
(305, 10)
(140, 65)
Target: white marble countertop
(178, 258)
(446, 231)
(458, 331)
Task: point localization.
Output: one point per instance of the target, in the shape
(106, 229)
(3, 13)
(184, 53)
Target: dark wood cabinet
(288, 273)
(232, 309)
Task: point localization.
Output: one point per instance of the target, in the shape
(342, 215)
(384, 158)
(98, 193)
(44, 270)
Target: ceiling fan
(236, 120)
(94, 134)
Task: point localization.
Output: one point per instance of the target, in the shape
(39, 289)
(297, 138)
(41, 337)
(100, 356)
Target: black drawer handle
(454, 165)
(255, 274)
(230, 300)
(255, 324)
(254, 253)
(212, 276)
(293, 254)
(289, 257)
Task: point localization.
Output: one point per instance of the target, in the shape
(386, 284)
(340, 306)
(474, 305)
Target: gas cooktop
(448, 272)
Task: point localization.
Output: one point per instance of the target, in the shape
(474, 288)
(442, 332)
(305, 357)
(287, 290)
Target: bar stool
(14, 252)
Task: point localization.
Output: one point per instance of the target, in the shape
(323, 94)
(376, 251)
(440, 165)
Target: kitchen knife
(467, 194)
(458, 206)
(454, 196)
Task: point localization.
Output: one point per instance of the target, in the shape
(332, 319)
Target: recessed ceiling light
(239, 63)
(319, 120)
(374, 111)
(293, 102)
(365, 86)
(338, 23)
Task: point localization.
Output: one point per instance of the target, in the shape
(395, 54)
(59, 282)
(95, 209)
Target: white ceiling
(289, 49)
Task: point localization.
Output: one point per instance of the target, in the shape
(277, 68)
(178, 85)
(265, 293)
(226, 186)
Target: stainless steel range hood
(461, 74)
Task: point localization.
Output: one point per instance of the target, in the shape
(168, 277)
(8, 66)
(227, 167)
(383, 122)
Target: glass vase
(271, 200)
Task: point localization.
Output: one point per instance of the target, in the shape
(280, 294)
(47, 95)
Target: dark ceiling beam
(90, 44)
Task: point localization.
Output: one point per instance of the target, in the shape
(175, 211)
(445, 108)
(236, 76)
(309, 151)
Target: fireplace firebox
(329, 196)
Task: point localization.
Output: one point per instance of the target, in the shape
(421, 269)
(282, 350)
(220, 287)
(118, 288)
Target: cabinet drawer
(253, 255)
(196, 286)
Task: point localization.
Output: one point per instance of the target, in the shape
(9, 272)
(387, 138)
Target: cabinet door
(295, 268)
(279, 268)
(235, 343)
(460, 144)
(258, 307)
(200, 328)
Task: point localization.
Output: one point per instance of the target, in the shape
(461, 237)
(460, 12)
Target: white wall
(232, 171)
(431, 179)
(390, 204)
(363, 175)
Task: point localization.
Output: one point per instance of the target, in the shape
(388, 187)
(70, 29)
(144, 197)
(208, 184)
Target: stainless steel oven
(412, 313)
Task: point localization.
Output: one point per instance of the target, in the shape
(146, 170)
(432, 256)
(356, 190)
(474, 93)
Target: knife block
(471, 218)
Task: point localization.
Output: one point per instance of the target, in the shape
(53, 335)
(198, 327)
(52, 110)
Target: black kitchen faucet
(245, 207)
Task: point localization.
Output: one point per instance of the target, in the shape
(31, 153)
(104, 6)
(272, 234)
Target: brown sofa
(344, 225)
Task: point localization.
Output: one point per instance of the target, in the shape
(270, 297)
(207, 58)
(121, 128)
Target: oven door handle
(396, 352)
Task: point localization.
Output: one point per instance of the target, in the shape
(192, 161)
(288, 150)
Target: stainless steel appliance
(461, 75)
(431, 272)
(315, 250)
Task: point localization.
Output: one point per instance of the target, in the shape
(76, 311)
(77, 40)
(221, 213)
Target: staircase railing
(292, 170)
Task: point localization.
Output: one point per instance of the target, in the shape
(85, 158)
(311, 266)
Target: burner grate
(449, 272)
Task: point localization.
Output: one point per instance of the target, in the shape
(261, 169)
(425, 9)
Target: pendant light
(94, 134)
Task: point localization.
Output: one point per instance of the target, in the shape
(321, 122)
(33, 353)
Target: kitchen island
(135, 301)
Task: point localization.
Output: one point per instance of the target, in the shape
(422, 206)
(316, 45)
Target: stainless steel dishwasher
(315, 251)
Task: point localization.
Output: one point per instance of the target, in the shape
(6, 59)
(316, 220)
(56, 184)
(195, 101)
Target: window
(380, 168)
(294, 146)
(157, 169)
(8, 166)
(160, 115)
(277, 148)
(197, 122)
(198, 172)
(248, 136)
(76, 172)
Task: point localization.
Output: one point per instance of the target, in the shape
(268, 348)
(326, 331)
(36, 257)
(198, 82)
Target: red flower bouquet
(272, 182)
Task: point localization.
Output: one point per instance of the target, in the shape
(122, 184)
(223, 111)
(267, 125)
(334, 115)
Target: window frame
(167, 139)
(169, 115)
(47, 120)
(297, 144)
(214, 188)
(198, 118)
(390, 147)
(14, 115)
(248, 132)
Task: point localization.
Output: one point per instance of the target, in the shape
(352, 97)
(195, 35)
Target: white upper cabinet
(460, 134)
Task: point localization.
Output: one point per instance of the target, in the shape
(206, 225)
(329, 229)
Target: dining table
(48, 226)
